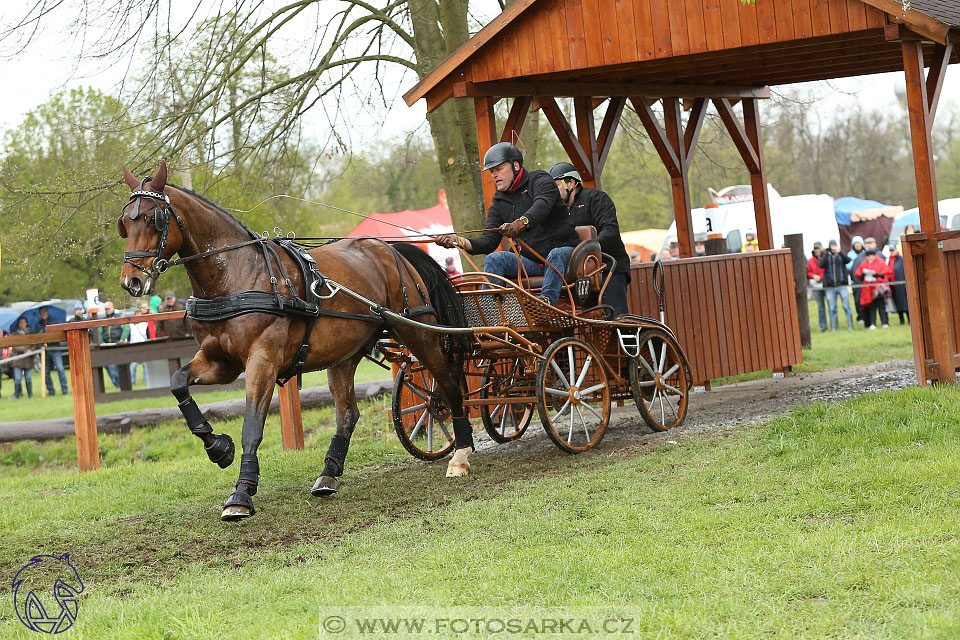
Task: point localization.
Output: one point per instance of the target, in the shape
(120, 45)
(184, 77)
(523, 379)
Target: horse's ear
(160, 180)
(130, 179)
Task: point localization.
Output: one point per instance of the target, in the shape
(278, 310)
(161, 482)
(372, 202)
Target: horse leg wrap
(336, 454)
(249, 474)
(463, 433)
(197, 424)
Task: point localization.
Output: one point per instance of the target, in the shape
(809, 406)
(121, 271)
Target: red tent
(413, 224)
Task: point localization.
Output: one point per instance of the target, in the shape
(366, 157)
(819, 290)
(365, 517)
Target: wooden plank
(583, 110)
(784, 13)
(662, 44)
(927, 26)
(565, 135)
(677, 18)
(765, 315)
(722, 311)
(479, 69)
(511, 53)
(692, 132)
(778, 317)
(708, 286)
(84, 413)
(857, 15)
(541, 31)
(766, 22)
(510, 88)
(838, 16)
(737, 134)
(646, 44)
(527, 46)
(713, 24)
(609, 30)
(876, 18)
(608, 130)
(749, 25)
(668, 155)
(590, 14)
(758, 176)
(517, 116)
(802, 23)
(730, 13)
(820, 17)
(575, 33)
(792, 326)
(733, 306)
(109, 322)
(938, 69)
(558, 35)
(680, 184)
(494, 55)
(750, 285)
(696, 32)
(33, 338)
(627, 30)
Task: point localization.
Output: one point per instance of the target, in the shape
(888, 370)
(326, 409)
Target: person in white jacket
(138, 333)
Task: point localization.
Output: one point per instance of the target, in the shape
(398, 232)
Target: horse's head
(151, 239)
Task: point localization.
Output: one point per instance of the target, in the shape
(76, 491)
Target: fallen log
(122, 422)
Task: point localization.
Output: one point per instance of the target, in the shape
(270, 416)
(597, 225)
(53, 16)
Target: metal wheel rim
(660, 382)
(418, 421)
(590, 397)
(504, 422)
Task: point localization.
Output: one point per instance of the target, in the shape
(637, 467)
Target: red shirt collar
(516, 181)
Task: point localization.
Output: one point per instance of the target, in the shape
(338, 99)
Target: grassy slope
(831, 521)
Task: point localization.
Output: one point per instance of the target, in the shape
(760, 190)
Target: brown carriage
(566, 363)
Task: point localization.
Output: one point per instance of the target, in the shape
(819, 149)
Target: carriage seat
(585, 258)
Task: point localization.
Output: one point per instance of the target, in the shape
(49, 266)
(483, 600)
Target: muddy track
(734, 405)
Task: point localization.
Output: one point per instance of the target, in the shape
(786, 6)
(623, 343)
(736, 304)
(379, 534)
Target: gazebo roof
(534, 45)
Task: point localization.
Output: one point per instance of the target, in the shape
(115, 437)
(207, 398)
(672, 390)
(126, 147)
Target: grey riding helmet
(564, 170)
(500, 153)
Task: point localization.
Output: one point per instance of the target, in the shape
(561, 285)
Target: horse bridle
(160, 220)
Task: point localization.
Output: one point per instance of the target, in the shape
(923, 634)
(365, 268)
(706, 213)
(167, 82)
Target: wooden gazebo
(685, 53)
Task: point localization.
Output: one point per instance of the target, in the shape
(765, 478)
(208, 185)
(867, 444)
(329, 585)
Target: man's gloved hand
(450, 241)
(512, 229)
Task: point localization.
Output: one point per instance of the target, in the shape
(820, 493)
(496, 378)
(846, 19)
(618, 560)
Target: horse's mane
(217, 207)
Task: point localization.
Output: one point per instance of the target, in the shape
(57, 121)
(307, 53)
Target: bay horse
(224, 258)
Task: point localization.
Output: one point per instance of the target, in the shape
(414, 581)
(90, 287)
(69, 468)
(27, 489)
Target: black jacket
(594, 207)
(834, 268)
(536, 197)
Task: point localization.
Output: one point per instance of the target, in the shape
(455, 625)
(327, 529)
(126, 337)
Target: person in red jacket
(873, 272)
(815, 278)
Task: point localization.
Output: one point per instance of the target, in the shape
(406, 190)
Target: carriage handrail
(383, 312)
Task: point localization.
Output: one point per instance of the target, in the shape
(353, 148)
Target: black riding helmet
(500, 153)
(564, 170)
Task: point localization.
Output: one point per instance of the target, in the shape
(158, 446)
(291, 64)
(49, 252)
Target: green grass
(60, 406)
(832, 521)
(844, 348)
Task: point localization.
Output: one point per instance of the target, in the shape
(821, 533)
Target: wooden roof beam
(921, 23)
(568, 140)
(590, 90)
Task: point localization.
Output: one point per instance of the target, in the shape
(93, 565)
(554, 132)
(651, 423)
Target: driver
(527, 206)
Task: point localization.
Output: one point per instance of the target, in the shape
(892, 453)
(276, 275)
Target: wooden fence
(933, 262)
(732, 314)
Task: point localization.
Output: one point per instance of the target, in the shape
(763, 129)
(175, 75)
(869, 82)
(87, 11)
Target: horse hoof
(325, 486)
(234, 513)
(459, 466)
(222, 450)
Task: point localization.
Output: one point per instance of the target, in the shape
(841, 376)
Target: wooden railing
(81, 377)
(932, 268)
(732, 313)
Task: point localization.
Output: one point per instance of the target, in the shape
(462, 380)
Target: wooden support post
(291, 423)
(794, 242)
(84, 413)
(518, 115)
(758, 178)
(564, 132)
(679, 184)
(608, 129)
(938, 310)
(586, 134)
(486, 138)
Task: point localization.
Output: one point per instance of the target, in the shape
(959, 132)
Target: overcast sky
(49, 65)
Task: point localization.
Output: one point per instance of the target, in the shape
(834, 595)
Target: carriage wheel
(422, 420)
(660, 381)
(573, 395)
(504, 422)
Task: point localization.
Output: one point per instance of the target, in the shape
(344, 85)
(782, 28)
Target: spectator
(173, 328)
(635, 258)
(54, 358)
(751, 241)
(112, 334)
(856, 255)
(138, 333)
(898, 291)
(750, 248)
(873, 273)
(674, 249)
(699, 246)
(666, 255)
(450, 268)
(833, 265)
(815, 277)
(22, 369)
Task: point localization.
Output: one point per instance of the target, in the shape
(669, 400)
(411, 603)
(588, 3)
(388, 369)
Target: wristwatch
(525, 220)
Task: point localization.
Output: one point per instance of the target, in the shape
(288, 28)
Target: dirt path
(736, 404)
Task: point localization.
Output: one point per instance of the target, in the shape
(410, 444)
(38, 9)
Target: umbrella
(32, 314)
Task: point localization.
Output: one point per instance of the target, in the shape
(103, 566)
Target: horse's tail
(443, 297)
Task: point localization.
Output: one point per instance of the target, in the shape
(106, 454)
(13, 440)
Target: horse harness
(258, 301)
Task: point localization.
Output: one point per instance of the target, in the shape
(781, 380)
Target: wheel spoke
(674, 389)
(556, 392)
(497, 408)
(676, 416)
(592, 410)
(663, 418)
(416, 391)
(653, 400)
(430, 432)
(416, 428)
(556, 369)
(563, 410)
(422, 405)
(589, 390)
(570, 433)
(646, 365)
(653, 355)
(443, 427)
(646, 383)
(671, 371)
(503, 419)
(663, 357)
(583, 372)
(570, 359)
(586, 431)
